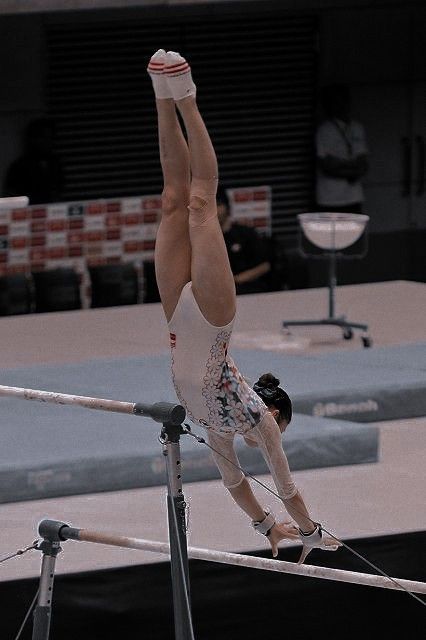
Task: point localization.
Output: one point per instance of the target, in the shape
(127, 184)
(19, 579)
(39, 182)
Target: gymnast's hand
(316, 540)
(282, 531)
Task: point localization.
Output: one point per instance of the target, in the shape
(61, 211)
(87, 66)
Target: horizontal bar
(164, 412)
(326, 573)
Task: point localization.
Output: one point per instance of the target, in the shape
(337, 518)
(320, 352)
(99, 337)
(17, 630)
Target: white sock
(178, 74)
(159, 81)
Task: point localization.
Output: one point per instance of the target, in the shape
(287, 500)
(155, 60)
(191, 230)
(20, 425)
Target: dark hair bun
(268, 381)
(268, 388)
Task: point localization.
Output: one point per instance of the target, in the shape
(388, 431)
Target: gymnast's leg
(212, 280)
(172, 247)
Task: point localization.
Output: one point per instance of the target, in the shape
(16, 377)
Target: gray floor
(356, 500)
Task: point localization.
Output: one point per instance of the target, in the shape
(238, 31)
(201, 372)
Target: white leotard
(207, 382)
(216, 396)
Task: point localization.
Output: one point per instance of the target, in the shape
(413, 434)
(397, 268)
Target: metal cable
(27, 615)
(20, 552)
(274, 493)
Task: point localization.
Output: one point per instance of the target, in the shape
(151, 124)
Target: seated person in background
(247, 251)
(37, 172)
(341, 154)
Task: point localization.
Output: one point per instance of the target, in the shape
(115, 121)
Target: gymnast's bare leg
(172, 247)
(212, 279)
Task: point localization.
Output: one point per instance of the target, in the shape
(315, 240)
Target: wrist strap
(265, 525)
(316, 531)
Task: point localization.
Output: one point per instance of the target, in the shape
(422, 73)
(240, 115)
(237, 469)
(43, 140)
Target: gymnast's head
(275, 398)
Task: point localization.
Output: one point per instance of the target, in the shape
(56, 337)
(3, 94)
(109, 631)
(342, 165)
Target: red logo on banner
(75, 237)
(152, 203)
(20, 214)
(133, 218)
(95, 262)
(132, 246)
(243, 196)
(38, 255)
(148, 245)
(38, 241)
(113, 234)
(113, 207)
(38, 225)
(150, 217)
(57, 225)
(36, 214)
(95, 208)
(55, 253)
(94, 236)
(113, 220)
(76, 223)
(18, 243)
(260, 222)
(75, 251)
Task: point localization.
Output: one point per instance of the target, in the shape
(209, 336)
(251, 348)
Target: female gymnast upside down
(197, 291)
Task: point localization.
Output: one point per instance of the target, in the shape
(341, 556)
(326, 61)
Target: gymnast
(197, 292)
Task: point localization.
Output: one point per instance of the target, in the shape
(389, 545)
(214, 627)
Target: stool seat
(333, 231)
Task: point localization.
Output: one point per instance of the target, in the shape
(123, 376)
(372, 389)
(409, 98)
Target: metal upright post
(50, 547)
(177, 533)
(332, 280)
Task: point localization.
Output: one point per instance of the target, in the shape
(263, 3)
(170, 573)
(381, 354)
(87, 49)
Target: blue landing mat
(368, 385)
(49, 451)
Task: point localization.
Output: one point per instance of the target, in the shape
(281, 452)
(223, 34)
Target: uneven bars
(164, 412)
(62, 531)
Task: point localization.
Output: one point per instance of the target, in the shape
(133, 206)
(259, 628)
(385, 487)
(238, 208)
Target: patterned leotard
(206, 379)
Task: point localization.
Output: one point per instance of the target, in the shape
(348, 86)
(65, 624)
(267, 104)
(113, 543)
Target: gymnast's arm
(246, 500)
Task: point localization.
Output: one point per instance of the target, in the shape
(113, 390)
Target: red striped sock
(156, 71)
(178, 74)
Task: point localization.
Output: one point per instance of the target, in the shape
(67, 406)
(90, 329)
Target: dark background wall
(377, 48)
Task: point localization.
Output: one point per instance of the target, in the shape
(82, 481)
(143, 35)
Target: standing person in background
(341, 153)
(247, 251)
(37, 173)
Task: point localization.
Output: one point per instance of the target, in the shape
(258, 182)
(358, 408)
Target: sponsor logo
(326, 409)
(75, 210)
(45, 478)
